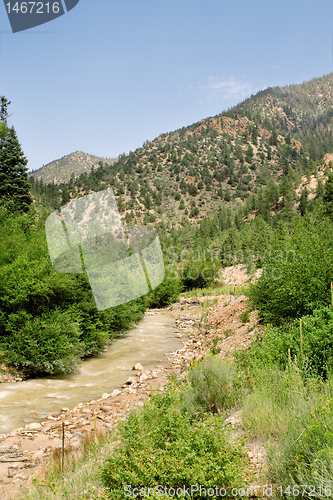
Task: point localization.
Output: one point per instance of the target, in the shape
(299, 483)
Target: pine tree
(272, 192)
(249, 154)
(14, 183)
(328, 195)
(320, 189)
(13, 173)
(303, 204)
(4, 103)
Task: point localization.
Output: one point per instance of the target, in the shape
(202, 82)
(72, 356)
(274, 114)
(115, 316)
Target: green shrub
(297, 279)
(160, 446)
(215, 350)
(48, 344)
(48, 320)
(198, 274)
(211, 386)
(313, 354)
(194, 212)
(245, 316)
(167, 292)
(124, 316)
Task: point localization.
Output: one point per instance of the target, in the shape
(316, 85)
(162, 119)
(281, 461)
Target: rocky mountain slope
(191, 172)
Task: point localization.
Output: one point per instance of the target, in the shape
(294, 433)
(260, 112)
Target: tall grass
(278, 398)
(217, 290)
(210, 386)
(304, 454)
(294, 415)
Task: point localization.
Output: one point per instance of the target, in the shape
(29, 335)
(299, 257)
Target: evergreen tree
(3, 131)
(3, 118)
(286, 167)
(14, 183)
(303, 204)
(4, 103)
(249, 154)
(289, 196)
(320, 188)
(13, 172)
(255, 135)
(269, 153)
(272, 192)
(273, 138)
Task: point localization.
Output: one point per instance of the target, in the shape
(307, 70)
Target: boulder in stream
(138, 367)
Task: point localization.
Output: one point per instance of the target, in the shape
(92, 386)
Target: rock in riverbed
(138, 367)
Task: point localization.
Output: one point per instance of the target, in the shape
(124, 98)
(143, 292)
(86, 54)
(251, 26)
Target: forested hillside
(190, 173)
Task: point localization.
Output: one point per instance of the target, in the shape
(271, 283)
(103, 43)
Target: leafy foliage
(167, 292)
(299, 281)
(48, 344)
(307, 341)
(161, 446)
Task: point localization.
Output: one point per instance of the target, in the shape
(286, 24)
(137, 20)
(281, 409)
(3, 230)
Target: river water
(32, 400)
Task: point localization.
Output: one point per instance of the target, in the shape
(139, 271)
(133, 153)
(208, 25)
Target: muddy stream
(32, 400)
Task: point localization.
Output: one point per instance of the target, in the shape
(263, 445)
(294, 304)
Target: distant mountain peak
(61, 170)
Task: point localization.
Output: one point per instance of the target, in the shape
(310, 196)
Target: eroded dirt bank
(25, 452)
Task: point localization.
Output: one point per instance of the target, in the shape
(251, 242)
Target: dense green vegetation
(274, 228)
(48, 320)
(161, 445)
(176, 441)
(173, 442)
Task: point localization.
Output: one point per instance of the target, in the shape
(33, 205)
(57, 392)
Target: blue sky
(109, 75)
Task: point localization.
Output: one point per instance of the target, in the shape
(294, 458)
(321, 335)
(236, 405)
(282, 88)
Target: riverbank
(202, 324)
